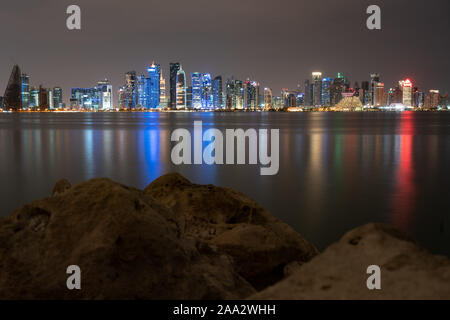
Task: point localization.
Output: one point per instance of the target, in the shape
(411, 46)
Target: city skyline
(148, 91)
(278, 48)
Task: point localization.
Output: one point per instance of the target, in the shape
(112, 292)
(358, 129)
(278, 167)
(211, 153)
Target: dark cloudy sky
(277, 42)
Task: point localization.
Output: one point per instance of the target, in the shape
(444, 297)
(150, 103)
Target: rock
(260, 245)
(127, 245)
(61, 186)
(407, 270)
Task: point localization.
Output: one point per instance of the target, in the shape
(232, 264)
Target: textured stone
(127, 246)
(260, 244)
(407, 270)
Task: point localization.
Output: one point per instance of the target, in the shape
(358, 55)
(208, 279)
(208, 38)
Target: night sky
(277, 42)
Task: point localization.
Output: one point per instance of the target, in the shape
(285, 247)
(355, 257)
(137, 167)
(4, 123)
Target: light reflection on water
(337, 171)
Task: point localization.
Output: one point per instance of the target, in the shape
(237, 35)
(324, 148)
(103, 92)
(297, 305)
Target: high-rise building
(153, 86)
(43, 98)
(207, 97)
(196, 78)
(13, 93)
(284, 97)
(336, 90)
(217, 93)
(174, 68)
(162, 92)
(326, 92)
(407, 88)
(181, 89)
(57, 97)
(268, 99)
(374, 79)
(34, 97)
(121, 94)
(251, 95)
(317, 82)
(307, 98)
(25, 80)
(106, 95)
(189, 97)
(141, 91)
(131, 90)
(379, 95)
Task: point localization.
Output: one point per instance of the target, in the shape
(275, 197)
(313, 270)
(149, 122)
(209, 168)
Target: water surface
(337, 170)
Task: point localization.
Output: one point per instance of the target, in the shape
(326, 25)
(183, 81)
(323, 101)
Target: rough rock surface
(260, 244)
(407, 270)
(127, 246)
(61, 186)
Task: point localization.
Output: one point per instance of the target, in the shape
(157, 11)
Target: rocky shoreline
(179, 240)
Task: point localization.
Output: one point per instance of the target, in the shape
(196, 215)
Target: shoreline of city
(147, 93)
(293, 110)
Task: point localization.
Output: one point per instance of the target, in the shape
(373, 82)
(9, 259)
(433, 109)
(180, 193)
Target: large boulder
(260, 245)
(127, 245)
(407, 270)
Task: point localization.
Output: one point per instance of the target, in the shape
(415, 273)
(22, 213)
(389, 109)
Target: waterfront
(337, 170)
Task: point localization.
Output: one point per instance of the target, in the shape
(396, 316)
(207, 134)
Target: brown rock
(260, 244)
(61, 186)
(127, 246)
(407, 270)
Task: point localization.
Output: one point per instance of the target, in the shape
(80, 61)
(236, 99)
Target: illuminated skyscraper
(207, 98)
(25, 80)
(141, 91)
(181, 89)
(374, 79)
(217, 93)
(105, 95)
(326, 92)
(317, 94)
(13, 92)
(152, 88)
(131, 90)
(162, 92)
(251, 95)
(284, 97)
(174, 68)
(336, 90)
(196, 78)
(378, 95)
(122, 98)
(407, 87)
(57, 97)
(34, 97)
(268, 99)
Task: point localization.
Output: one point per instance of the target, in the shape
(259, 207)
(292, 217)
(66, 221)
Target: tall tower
(196, 78)
(317, 93)
(174, 68)
(13, 92)
(153, 86)
(374, 79)
(181, 89)
(25, 80)
(326, 92)
(131, 92)
(207, 91)
(407, 87)
(106, 95)
(268, 99)
(217, 92)
(162, 92)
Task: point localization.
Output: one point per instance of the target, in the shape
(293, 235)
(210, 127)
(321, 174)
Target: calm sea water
(337, 170)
